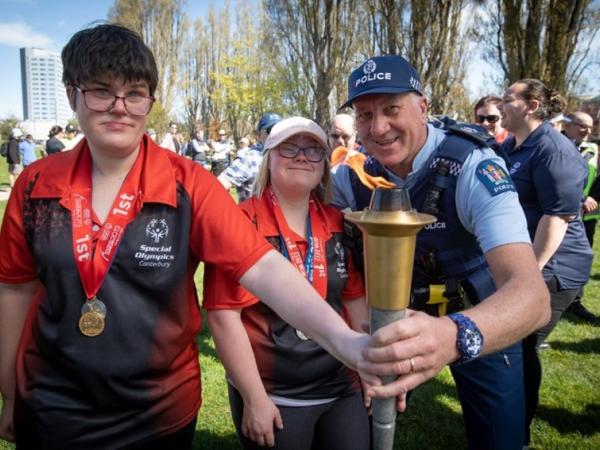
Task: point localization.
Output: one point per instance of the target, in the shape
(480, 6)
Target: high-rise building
(44, 96)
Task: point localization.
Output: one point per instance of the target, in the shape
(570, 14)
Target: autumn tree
(162, 25)
(316, 37)
(545, 39)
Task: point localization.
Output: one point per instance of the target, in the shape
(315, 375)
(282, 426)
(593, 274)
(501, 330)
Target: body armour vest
(448, 259)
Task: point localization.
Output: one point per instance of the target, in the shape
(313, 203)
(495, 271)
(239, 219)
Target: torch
(389, 228)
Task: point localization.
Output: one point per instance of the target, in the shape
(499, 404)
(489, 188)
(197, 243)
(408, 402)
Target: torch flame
(356, 161)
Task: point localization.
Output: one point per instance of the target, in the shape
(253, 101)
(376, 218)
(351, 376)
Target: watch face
(473, 342)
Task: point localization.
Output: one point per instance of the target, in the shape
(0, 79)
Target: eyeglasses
(101, 100)
(291, 151)
(489, 119)
(344, 137)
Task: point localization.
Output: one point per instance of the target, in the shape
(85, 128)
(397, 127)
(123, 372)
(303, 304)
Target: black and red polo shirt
(289, 364)
(140, 378)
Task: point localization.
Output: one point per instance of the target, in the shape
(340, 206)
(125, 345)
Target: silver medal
(94, 305)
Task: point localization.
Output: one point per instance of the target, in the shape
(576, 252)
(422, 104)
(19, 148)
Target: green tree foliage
(158, 119)
(6, 126)
(247, 86)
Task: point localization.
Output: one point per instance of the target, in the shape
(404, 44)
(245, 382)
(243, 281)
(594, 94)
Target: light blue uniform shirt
(494, 219)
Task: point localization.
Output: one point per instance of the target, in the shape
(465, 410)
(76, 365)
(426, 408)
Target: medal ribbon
(93, 263)
(314, 266)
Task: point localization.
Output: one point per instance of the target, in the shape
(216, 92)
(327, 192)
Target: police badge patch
(494, 178)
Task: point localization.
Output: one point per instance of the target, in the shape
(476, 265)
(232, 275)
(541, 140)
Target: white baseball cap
(16, 132)
(295, 125)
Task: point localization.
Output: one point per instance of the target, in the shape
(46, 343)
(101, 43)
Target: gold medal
(91, 324)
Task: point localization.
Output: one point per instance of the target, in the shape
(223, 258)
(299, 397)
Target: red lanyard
(316, 242)
(93, 264)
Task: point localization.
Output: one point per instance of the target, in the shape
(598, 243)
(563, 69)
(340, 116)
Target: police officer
(479, 253)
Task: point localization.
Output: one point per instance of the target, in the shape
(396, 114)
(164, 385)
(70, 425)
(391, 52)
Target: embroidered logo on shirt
(515, 167)
(494, 178)
(341, 265)
(156, 256)
(157, 229)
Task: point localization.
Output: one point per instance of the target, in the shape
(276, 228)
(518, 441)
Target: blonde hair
(323, 191)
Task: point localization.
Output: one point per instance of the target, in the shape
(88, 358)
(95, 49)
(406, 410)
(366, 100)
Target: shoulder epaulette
(472, 132)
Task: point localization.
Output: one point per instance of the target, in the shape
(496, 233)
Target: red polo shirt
(140, 378)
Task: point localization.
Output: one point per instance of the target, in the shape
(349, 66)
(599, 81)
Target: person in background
(242, 151)
(170, 140)
(198, 148)
(266, 122)
(151, 133)
(578, 128)
(557, 121)
(479, 252)
(71, 137)
(244, 169)
(13, 156)
(54, 143)
(220, 155)
(99, 245)
(488, 116)
(285, 391)
(27, 150)
(549, 176)
(342, 132)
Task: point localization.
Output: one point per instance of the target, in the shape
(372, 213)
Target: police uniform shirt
(549, 175)
(494, 219)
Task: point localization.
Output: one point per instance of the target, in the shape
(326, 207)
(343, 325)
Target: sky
(46, 24)
(49, 24)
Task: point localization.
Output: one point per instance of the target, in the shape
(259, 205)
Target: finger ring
(412, 365)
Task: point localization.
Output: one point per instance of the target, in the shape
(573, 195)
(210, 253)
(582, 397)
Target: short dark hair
(493, 99)
(108, 49)
(551, 102)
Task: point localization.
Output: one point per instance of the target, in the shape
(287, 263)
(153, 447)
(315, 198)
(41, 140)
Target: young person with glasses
(99, 245)
(285, 391)
(488, 116)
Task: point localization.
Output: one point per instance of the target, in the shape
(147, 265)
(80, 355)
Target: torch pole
(389, 229)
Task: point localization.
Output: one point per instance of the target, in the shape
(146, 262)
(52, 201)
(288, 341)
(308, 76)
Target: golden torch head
(389, 228)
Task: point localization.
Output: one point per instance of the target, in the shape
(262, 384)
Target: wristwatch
(469, 340)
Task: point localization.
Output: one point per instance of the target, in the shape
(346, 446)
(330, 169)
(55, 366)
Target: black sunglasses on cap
(489, 119)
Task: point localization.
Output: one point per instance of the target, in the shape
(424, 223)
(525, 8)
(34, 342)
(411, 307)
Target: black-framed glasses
(490, 119)
(291, 151)
(101, 100)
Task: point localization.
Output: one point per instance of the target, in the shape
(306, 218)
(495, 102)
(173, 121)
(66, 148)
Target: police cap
(383, 75)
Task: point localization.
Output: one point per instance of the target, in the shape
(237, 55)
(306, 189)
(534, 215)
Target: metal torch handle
(384, 409)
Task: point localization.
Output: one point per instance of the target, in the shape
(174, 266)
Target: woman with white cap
(285, 391)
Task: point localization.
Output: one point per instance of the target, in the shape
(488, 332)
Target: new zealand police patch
(494, 177)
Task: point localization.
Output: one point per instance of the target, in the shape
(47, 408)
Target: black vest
(446, 253)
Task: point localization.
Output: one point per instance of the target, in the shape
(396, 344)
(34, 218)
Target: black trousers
(560, 299)
(339, 425)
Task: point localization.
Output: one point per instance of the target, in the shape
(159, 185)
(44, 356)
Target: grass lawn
(568, 417)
